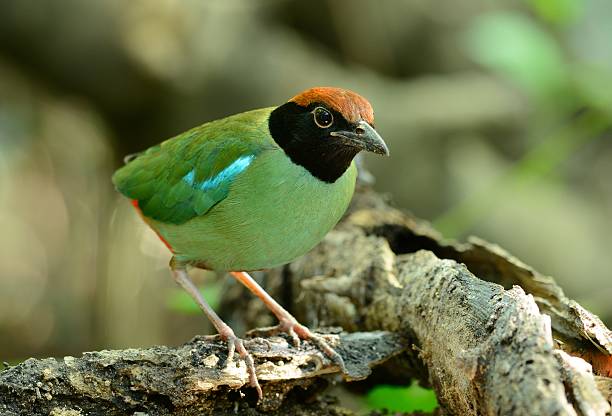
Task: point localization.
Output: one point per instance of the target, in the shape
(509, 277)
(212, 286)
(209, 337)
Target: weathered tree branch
(491, 336)
(192, 379)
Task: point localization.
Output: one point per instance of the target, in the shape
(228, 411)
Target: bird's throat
(326, 160)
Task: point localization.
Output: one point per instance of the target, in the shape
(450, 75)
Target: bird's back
(185, 176)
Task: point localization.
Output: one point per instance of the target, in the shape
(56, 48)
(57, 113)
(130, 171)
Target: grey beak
(363, 137)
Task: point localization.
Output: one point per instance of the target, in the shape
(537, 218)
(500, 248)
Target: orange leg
(287, 323)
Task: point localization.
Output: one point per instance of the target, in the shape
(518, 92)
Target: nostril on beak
(360, 130)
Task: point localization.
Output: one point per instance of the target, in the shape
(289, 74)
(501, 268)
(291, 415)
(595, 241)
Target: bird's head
(323, 129)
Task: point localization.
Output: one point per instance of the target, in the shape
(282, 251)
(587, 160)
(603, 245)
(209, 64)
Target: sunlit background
(497, 114)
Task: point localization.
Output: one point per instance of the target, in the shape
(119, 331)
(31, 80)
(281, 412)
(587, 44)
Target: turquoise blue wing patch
(186, 176)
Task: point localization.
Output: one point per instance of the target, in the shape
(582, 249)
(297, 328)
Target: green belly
(275, 212)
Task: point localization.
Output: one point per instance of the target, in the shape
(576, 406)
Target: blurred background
(497, 114)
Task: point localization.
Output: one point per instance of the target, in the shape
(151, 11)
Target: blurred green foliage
(180, 301)
(561, 12)
(402, 399)
(540, 161)
(518, 48)
(523, 50)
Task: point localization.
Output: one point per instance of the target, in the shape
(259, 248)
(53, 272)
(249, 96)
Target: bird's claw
(235, 344)
(297, 332)
(293, 329)
(323, 345)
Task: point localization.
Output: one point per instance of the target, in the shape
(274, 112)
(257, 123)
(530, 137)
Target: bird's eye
(322, 117)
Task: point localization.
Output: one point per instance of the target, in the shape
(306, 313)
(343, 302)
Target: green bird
(253, 191)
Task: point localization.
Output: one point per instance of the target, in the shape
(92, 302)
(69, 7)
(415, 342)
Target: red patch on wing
(135, 204)
(351, 105)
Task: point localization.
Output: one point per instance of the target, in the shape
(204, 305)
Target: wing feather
(187, 175)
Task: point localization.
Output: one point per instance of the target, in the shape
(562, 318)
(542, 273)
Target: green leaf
(591, 81)
(559, 12)
(402, 399)
(516, 47)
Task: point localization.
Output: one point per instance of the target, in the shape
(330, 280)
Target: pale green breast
(275, 211)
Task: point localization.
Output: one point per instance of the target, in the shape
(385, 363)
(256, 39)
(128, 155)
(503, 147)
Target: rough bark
(487, 332)
(191, 379)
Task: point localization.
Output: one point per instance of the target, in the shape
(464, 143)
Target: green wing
(187, 175)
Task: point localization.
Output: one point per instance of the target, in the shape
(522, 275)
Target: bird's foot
(235, 344)
(287, 323)
(298, 332)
